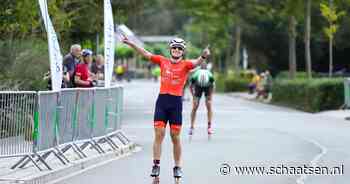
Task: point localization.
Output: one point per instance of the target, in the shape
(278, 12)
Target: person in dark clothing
(70, 61)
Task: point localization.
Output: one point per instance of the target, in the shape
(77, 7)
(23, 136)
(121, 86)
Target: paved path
(246, 133)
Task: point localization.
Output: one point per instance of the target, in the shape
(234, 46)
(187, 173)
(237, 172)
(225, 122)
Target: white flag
(54, 49)
(108, 42)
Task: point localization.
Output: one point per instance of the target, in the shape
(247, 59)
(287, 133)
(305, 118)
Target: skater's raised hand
(206, 52)
(202, 57)
(140, 50)
(125, 39)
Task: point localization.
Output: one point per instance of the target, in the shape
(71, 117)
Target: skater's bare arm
(202, 57)
(138, 49)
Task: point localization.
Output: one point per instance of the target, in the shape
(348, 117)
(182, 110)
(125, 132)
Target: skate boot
(155, 171)
(177, 172)
(155, 174)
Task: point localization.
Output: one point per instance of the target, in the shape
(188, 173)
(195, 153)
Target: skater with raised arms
(174, 72)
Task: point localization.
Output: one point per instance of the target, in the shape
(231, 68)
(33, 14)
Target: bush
(299, 75)
(236, 85)
(229, 83)
(219, 82)
(123, 51)
(246, 74)
(309, 95)
(24, 64)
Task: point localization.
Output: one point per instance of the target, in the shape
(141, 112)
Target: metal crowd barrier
(34, 125)
(17, 111)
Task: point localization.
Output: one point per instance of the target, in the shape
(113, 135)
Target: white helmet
(177, 42)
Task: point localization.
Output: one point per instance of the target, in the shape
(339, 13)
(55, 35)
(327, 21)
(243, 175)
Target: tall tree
(332, 16)
(307, 38)
(293, 11)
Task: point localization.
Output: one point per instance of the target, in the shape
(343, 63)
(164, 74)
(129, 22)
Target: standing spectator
(70, 61)
(264, 86)
(260, 86)
(254, 83)
(98, 67)
(82, 73)
(127, 72)
(120, 72)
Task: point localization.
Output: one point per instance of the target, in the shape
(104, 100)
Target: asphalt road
(246, 134)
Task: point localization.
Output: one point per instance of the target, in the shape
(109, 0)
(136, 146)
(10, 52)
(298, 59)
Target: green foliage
(309, 95)
(159, 48)
(193, 52)
(24, 64)
(229, 83)
(219, 82)
(236, 85)
(87, 44)
(298, 75)
(246, 74)
(332, 16)
(123, 51)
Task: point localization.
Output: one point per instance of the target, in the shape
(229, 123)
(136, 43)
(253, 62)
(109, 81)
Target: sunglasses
(177, 48)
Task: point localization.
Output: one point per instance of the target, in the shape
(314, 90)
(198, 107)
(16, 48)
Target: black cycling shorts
(198, 91)
(168, 109)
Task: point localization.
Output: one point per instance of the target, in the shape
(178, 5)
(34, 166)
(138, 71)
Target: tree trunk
(331, 47)
(225, 64)
(307, 39)
(238, 48)
(330, 57)
(292, 47)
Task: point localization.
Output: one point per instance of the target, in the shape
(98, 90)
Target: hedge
(309, 95)
(298, 75)
(228, 83)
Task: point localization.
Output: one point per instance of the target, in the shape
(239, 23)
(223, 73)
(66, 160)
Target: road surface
(246, 134)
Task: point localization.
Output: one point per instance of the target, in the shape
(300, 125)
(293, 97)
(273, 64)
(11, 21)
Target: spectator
(70, 61)
(127, 72)
(254, 83)
(120, 72)
(82, 73)
(98, 67)
(265, 85)
(260, 86)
